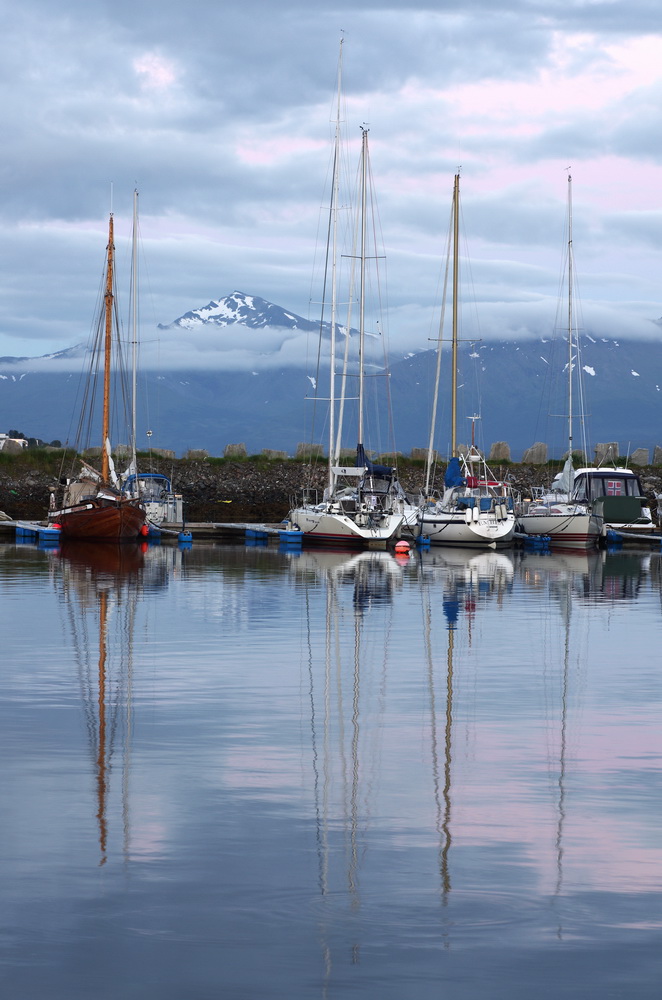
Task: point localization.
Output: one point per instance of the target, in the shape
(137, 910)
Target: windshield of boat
(607, 484)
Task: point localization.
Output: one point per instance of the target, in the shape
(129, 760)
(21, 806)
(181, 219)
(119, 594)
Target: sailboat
(557, 514)
(154, 489)
(362, 504)
(475, 508)
(93, 505)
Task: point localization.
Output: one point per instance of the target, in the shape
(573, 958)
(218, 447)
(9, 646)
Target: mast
(570, 332)
(334, 258)
(364, 175)
(108, 309)
(134, 339)
(456, 262)
(437, 376)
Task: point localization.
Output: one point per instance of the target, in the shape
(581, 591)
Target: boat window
(614, 486)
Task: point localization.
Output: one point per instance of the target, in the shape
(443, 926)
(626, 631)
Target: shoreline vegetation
(256, 488)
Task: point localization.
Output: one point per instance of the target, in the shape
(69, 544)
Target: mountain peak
(240, 308)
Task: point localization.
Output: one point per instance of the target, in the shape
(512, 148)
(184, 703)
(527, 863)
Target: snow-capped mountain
(248, 390)
(247, 310)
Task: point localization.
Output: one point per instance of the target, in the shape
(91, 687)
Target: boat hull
(575, 531)
(330, 527)
(103, 520)
(452, 528)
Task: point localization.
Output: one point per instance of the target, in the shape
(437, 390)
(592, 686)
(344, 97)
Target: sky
(221, 115)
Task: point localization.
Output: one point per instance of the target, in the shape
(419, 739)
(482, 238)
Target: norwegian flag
(615, 488)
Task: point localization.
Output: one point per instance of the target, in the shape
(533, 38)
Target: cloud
(154, 71)
(222, 115)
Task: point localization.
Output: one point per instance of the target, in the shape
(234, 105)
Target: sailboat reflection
(101, 588)
(351, 718)
(347, 679)
(468, 579)
(593, 576)
(573, 580)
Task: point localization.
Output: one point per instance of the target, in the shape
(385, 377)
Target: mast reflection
(355, 586)
(101, 587)
(467, 578)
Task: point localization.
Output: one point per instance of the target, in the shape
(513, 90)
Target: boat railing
(307, 497)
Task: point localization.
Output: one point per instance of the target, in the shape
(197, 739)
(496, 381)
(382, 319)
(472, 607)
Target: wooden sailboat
(475, 508)
(93, 506)
(362, 504)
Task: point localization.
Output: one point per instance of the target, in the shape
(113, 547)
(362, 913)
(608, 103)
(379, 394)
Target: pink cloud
(155, 72)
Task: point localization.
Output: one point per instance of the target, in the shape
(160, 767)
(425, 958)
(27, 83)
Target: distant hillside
(517, 387)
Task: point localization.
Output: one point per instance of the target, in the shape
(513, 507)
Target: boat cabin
(614, 496)
(591, 484)
(156, 494)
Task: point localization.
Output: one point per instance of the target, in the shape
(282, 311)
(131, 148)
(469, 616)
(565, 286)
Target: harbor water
(234, 771)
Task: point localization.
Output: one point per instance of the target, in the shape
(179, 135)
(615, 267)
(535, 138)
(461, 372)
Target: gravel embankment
(253, 491)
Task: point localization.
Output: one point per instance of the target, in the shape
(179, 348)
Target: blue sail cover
(454, 475)
(381, 471)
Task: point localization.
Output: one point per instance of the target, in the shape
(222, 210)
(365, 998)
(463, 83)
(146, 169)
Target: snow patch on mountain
(238, 308)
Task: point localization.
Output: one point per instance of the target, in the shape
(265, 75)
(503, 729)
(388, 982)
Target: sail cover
(454, 475)
(382, 471)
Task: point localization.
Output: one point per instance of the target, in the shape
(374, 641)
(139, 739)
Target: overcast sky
(220, 113)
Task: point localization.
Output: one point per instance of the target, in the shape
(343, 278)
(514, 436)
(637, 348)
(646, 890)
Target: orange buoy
(144, 531)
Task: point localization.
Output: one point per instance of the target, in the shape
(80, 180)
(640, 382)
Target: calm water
(240, 773)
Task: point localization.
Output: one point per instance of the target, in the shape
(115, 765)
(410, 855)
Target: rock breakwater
(250, 489)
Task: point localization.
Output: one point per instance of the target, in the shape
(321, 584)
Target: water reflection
(594, 576)
(333, 774)
(99, 588)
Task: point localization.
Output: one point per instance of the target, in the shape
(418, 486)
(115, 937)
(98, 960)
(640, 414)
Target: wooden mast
(456, 231)
(108, 308)
(570, 333)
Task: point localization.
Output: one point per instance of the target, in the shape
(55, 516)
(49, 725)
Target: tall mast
(364, 177)
(570, 332)
(334, 256)
(437, 376)
(108, 308)
(456, 262)
(134, 329)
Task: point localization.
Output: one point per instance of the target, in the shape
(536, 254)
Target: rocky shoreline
(253, 490)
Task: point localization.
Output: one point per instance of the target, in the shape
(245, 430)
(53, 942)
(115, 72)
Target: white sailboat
(362, 504)
(558, 514)
(154, 489)
(475, 509)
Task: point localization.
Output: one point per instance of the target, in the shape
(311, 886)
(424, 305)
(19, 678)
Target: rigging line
(351, 297)
(314, 456)
(476, 318)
